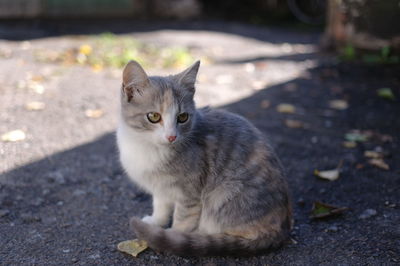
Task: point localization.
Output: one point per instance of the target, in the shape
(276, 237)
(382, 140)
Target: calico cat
(212, 170)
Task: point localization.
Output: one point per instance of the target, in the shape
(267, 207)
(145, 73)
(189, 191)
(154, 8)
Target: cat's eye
(154, 117)
(183, 117)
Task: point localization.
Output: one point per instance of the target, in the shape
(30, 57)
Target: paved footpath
(64, 199)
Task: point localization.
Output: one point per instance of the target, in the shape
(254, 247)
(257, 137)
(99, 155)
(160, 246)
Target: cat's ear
(187, 78)
(134, 79)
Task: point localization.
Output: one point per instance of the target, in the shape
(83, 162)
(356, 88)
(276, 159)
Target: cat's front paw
(149, 219)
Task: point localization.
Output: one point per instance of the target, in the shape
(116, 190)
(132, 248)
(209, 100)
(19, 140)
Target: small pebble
(94, 256)
(78, 192)
(368, 213)
(74, 260)
(37, 202)
(332, 228)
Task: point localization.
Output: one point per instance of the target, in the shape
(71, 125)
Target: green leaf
(356, 137)
(323, 210)
(386, 93)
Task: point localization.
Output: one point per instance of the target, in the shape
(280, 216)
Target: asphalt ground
(64, 199)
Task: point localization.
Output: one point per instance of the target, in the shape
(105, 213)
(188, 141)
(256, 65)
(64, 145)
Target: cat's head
(160, 108)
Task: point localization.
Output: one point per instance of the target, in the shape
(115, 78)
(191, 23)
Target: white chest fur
(140, 159)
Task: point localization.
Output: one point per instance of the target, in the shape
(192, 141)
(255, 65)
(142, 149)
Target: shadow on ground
(34, 29)
(73, 207)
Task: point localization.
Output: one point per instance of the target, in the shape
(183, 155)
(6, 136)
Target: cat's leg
(186, 216)
(162, 211)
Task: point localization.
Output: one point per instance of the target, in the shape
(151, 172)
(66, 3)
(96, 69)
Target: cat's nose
(171, 138)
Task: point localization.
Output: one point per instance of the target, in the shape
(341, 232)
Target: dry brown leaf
(14, 135)
(34, 106)
(349, 144)
(94, 113)
(338, 104)
(286, 108)
(373, 154)
(380, 163)
(37, 78)
(132, 247)
(294, 123)
(265, 104)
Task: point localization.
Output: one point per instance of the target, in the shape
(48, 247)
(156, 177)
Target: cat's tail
(195, 244)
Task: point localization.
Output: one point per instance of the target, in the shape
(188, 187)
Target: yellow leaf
(85, 49)
(12, 136)
(132, 247)
(338, 104)
(97, 68)
(94, 113)
(35, 106)
(286, 108)
(349, 144)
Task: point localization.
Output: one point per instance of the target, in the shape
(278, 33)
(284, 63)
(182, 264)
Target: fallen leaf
(38, 88)
(97, 68)
(356, 136)
(331, 175)
(383, 137)
(14, 135)
(386, 93)
(132, 247)
(37, 78)
(258, 84)
(34, 106)
(373, 154)
(359, 166)
(290, 123)
(286, 108)
(265, 104)
(323, 210)
(85, 49)
(338, 104)
(94, 113)
(328, 174)
(380, 163)
(349, 144)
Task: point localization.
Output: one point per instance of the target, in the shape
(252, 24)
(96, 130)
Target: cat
(212, 169)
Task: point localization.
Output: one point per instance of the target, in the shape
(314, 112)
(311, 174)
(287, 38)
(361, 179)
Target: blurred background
(319, 77)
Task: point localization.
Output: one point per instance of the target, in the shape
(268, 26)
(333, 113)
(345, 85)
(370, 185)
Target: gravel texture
(64, 199)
